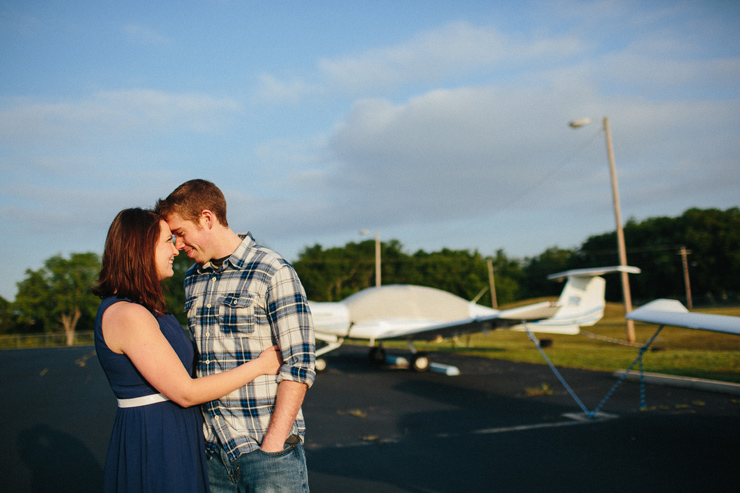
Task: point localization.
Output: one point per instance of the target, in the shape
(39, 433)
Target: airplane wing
(485, 323)
(445, 330)
(672, 312)
(502, 320)
(536, 311)
(595, 271)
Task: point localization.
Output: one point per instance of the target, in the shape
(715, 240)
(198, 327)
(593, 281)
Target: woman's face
(165, 252)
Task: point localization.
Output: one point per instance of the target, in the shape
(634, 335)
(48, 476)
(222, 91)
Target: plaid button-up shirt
(255, 300)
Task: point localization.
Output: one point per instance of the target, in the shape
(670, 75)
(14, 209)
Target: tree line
(57, 297)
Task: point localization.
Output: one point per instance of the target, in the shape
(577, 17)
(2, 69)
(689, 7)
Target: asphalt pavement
(497, 426)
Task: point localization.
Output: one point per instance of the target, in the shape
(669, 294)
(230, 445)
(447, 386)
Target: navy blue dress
(158, 447)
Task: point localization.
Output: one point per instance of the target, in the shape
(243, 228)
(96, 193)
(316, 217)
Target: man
(240, 299)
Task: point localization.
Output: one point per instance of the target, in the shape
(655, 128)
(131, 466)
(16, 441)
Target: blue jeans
(259, 472)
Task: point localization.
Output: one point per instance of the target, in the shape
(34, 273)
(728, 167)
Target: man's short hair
(191, 198)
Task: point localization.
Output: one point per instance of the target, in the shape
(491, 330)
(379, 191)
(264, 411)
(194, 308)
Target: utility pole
(377, 254)
(377, 258)
(620, 232)
(627, 296)
(683, 253)
(494, 303)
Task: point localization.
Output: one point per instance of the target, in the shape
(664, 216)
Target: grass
(676, 351)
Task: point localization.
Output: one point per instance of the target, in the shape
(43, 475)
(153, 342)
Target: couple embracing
(222, 416)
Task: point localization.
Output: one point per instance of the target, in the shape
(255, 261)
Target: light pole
(618, 216)
(377, 254)
(683, 253)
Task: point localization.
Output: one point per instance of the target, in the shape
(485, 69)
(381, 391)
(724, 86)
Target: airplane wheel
(420, 362)
(377, 356)
(320, 364)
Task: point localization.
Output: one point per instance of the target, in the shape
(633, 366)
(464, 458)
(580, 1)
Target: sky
(435, 123)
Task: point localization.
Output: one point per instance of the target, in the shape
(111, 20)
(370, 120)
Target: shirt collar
(236, 259)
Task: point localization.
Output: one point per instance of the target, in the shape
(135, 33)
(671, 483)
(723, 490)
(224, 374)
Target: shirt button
(208, 334)
(208, 305)
(214, 279)
(208, 362)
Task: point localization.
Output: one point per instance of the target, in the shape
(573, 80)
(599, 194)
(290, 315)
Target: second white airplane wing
(672, 312)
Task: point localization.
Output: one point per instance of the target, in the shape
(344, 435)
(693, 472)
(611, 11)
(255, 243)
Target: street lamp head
(581, 122)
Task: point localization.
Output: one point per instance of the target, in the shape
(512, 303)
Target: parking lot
(498, 426)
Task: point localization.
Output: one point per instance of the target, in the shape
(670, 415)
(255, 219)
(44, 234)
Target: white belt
(142, 401)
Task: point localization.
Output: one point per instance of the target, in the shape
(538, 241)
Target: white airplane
(672, 312)
(406, 312)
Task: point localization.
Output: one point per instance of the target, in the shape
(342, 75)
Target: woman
(157, 439)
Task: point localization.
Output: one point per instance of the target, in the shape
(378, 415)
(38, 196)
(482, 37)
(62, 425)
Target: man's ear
(207, 219)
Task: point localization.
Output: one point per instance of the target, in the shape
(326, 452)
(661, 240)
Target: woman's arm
(130, 329)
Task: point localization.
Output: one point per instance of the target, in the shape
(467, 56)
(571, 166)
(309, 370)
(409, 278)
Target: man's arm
(292, 328)
(289, 400)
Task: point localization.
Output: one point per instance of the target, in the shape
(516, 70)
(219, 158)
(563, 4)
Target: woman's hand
(270, 360)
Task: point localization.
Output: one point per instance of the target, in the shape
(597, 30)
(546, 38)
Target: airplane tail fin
(581, 302)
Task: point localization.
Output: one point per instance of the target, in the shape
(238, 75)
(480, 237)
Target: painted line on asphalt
(574, 419)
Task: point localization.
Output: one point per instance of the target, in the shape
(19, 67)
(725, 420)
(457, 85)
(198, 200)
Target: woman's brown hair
(128, 269)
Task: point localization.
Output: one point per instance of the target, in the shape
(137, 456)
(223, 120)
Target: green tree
(58, 295)
(174, 288)
(712, 236)
(6, 316)
(461, 272)
(509, 275)
(551, 261)
(335, 273)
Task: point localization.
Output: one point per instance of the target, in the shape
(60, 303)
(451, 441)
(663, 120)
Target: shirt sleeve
(292, 326)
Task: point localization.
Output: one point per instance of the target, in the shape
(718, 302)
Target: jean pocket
(286, 451)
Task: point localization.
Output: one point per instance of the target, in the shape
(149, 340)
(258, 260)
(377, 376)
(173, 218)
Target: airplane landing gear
(417, 361)
(377, 355)
(420, 362)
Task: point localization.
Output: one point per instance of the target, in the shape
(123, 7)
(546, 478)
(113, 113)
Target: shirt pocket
(236, 313)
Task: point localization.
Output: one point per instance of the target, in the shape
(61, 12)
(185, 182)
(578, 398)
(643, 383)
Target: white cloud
(461, 153)
(144, 35)
(113, 114)
(273, 90)
(451, 52)
(473, 152)
(427, 57)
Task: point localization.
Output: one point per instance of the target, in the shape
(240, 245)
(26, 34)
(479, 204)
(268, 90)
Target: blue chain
(595, 412)
(642, 351)
(556, 372)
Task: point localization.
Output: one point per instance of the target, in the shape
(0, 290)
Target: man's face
(190, 237)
